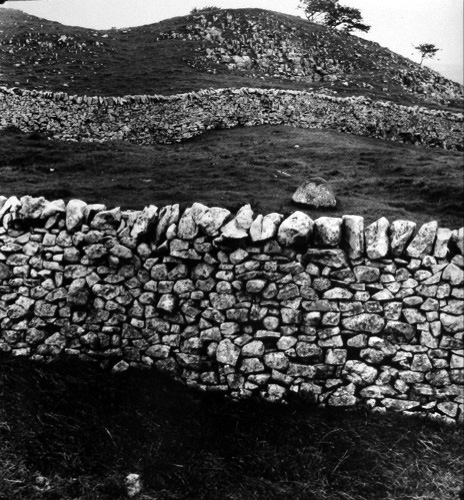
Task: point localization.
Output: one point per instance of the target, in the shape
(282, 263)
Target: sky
(397, 24)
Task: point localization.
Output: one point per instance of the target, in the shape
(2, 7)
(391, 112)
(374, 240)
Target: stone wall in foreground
(166, 119)
(241, 304)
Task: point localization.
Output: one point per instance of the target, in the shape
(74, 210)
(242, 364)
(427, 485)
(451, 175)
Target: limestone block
(422, 243)
(107, 219)
(376, 238)
(353, 236)
(11, 205)
(365, 322)
(295, 230)
(401, 232)
(359, 373)
(168, 216)
(440, 250)
(264, 228)
(144, 221)
(212, 220)
(239, 226)
(328, 231)
(75, 214)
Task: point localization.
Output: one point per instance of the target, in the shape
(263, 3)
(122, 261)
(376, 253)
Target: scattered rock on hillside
(315, 192)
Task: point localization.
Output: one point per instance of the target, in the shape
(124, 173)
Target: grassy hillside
(259, 165)
(69, 431)
(194, 52)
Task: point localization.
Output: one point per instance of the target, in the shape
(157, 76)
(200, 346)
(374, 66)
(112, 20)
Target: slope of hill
(224, 48)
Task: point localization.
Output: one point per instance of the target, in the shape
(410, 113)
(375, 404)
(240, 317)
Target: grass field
(260, 165)
(70, 431)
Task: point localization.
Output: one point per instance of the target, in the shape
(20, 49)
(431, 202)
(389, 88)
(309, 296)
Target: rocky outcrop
(243, 304)
(166, 119)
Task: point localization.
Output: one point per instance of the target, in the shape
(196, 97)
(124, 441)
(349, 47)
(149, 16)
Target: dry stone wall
(242, 304)
(149, 119)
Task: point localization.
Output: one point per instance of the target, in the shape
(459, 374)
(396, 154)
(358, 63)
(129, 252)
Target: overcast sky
(396, 24)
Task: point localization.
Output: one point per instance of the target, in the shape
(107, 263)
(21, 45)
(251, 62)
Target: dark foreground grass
(69, 430)
(258, 165)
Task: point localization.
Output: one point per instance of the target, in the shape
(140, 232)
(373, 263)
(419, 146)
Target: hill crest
(224, 48)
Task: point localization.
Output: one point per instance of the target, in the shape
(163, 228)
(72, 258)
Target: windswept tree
(427, 51)
(330, 13)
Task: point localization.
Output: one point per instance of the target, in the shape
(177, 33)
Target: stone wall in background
(166, 119)
(241, 304)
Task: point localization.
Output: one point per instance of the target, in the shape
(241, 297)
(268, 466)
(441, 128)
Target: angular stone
(39, 208)
(254, 349)
(401, 232)
(328, 231)
(307, 351)
(107, 219)
(75, 214)
(239, 226)
(168, 216)
(276, 361)
(457, 238)
(422, 243)
(343, 396)
(336, 356)
(78, 293)
(295, 230)
(315, 192)
(264, 228)
(452, 324)
(400, 331)
(167, 302)
(399, 404)
(453, 275)
(212, 220)
(376, 238)
(367, 274)
(359, 373)
(251, 365)
(227, 352)
(144, 222)
(353, 236)
(11, 205)
(337, 293)
(440, 250)
(413, 316)
(365, 322)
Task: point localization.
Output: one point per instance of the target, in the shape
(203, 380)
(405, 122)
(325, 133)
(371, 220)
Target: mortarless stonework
(149, 119)
(244, 305)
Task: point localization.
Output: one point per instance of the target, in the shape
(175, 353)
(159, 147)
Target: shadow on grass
(69, 430)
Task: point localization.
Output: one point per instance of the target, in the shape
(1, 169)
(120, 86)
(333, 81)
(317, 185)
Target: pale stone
(144, 221)
(212, 220)
(168, 216)
(453, 274)
(39, 208)
(106, 219)
(441, 243)
(451, 323)
(11, 205)
(359, 373)
(365, 322)
(227, 352)
(422, 243)
(343, 396)
(253, 349)
(239, 226)
(401, 232)
(295, 229)
(315, 192)
(328, 231)
(353, 236)
(276, 361)
(376, 238)
(264, 228)
(367, 274)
